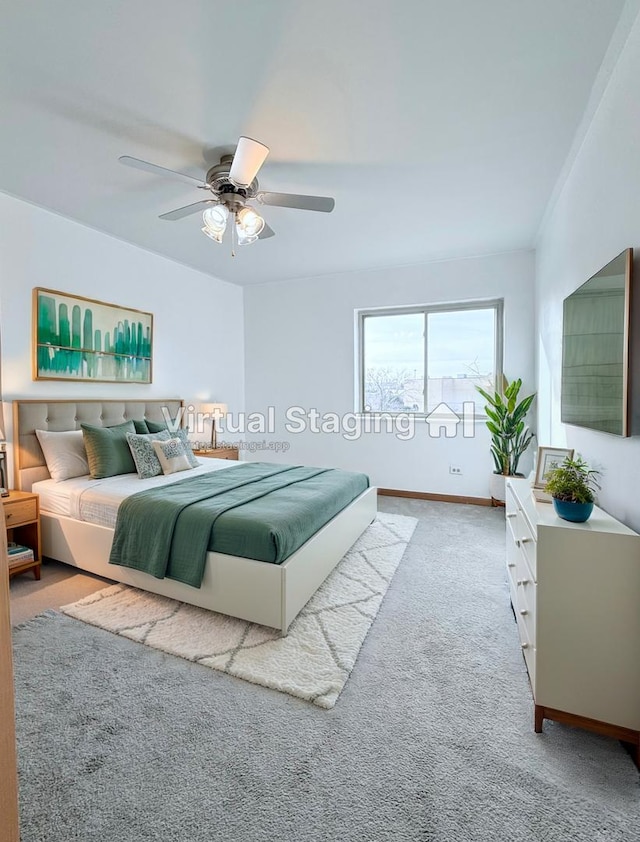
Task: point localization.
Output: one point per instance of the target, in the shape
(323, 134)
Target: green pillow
(156, 426)
(141, 427)
(108, 450)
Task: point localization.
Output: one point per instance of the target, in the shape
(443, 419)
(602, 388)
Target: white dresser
(575, 592)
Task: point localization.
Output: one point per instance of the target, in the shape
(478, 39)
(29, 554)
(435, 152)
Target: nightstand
(22, 516)
(218, 453)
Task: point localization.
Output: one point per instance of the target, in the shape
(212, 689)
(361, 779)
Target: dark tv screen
(595, 350)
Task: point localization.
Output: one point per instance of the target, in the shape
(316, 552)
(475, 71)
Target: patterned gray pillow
(147, 463)
(183, 435)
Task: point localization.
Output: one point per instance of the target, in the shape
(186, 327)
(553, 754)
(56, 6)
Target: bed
(264, 593)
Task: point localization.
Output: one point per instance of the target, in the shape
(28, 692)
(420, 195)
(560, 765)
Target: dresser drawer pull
(524, 612)
(517, 542)
(9, 515)
(524, 645)
(525, 540)
(523, 582)
(511, 564)
(512, 514)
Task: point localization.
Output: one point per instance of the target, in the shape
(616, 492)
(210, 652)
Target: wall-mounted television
(595, 350)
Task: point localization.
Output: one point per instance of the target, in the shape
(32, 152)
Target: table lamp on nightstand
(215, 410)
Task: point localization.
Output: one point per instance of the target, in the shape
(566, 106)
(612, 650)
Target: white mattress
(98, 500)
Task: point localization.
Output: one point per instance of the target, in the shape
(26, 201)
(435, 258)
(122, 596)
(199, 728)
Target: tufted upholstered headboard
(59, 415)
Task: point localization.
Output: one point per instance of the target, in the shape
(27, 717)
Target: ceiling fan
(233, 184)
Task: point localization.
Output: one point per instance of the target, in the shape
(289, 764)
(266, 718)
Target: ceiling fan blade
(187, 210)
(249, 156)
(137, 164)
(266, 233)
(293, 200)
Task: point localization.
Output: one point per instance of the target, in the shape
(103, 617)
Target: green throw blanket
(256, 510)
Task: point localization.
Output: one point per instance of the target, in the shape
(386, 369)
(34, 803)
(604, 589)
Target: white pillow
(171, 455)
(64, 453)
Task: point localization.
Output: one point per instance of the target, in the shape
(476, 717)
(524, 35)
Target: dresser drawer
(19, 512)
(512, 552)
(528, 650)
(511, 501)
(524, 539)
(520, 536)
(525, 604)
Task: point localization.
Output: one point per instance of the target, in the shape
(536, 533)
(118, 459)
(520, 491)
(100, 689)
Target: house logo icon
(444, 418)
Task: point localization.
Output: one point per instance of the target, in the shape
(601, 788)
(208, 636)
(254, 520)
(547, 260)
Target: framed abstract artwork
(76, 338)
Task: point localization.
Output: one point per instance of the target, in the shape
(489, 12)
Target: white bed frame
(269, 594)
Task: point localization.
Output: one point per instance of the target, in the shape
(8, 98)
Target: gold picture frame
(83, 339)
(548, 458)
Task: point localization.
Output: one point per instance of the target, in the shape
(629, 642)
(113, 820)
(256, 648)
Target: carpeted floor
(58, 585)
(313, 661)
(431, 739)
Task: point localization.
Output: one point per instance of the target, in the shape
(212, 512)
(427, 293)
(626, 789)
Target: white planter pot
(497, 487)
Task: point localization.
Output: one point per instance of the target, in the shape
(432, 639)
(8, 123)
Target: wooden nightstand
(218, 453)
(22, 516)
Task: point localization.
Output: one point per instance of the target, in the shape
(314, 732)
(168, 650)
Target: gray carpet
(59, 585)
(431, 739)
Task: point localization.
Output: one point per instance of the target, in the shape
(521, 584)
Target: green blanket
(256, 510)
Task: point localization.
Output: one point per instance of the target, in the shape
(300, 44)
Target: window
(417, 359)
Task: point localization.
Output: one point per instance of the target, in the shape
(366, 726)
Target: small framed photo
(549, 458)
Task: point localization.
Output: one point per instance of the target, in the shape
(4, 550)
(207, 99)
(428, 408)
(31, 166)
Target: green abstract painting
(78, 338)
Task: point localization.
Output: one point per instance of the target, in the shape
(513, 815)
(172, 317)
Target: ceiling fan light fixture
(215, 222)
(214, 235)
(246, 239)
(249, 223)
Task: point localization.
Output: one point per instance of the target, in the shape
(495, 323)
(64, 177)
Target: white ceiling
(439, 127)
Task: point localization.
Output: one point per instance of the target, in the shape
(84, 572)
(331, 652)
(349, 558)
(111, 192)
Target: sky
(458, 341)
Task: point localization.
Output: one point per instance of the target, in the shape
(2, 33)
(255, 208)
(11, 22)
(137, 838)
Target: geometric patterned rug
(312, 662)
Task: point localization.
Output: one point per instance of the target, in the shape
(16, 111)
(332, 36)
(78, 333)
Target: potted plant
(572, 485)
(510, 436)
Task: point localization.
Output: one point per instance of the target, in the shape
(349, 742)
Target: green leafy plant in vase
(572, 485)
(510, 436)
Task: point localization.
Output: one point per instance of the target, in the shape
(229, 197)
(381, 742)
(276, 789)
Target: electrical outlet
(455, 469)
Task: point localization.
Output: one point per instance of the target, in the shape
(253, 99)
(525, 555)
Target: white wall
(198, 320)
(300, 351)
(597, 216)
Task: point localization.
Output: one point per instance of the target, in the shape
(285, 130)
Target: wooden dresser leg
(36, 572)
(538, 718)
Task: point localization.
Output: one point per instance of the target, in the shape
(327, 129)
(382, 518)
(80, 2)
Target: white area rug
(314, 660)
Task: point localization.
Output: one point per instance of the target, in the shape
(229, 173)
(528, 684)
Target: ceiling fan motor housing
(218, 180)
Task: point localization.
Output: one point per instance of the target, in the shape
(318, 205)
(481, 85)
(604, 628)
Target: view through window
(420, 359)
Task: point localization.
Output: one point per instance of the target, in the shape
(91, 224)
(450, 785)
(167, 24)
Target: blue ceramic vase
(575, 512)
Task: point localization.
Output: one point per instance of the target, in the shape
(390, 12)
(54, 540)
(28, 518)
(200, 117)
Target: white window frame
(496, 304)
